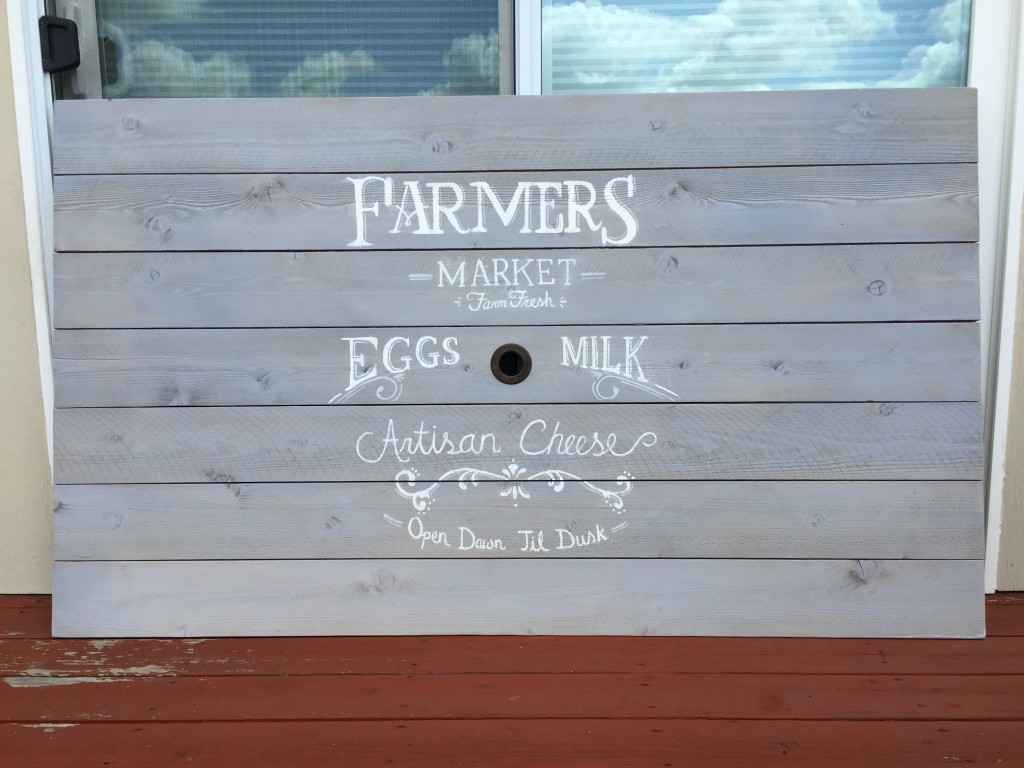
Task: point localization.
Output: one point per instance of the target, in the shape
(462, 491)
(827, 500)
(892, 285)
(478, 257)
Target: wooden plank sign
(704, 364)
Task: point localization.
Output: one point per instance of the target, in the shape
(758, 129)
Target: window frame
(85, 82)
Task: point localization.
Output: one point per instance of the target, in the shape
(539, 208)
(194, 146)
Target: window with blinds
(231, 48)
(627, 46)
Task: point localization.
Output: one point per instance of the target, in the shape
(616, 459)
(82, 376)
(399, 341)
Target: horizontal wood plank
(797, 441)
(824, 283)
(737, 206)
(25, 623)
(907, 520)
(1005, 620)
(670, 363)
(559, 743)
(469, 655)
(24, 601)
(806, 598)
(269, 698)
(459, 133)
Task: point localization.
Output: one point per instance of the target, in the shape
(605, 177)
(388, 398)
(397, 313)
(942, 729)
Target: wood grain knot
(877, 288)
(678, 190)
(159, 224)
(862, 572)
(266, 192)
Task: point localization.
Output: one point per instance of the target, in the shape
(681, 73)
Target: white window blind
(236, 48)
(592, 46)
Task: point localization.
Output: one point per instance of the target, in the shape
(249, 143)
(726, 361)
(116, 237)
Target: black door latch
(59, 42)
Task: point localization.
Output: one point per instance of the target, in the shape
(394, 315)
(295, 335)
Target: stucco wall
(24, 464)
(1011, 544)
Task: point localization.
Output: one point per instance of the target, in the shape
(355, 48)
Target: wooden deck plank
(772, 682)
(24, 622)
(515, 655)
(1004, 620)
(1005, 598)
(516, 744)
(504, 696)
(24, 601)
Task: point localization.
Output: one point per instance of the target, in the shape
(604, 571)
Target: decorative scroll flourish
(389, 389)
(602, 377)
(514, 477)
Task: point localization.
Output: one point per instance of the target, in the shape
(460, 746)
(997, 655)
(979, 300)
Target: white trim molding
(995, 70)
(33, 104)
(528, 47)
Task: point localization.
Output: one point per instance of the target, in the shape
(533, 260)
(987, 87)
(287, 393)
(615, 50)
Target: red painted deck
(522, 701)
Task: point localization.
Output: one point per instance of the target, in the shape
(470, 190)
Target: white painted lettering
(480, 274)
(533, 541)
(386, 355)
(434, 208)
(372, 450)
(432, 359)
(470, 541)
(631, 358)
(532, 442)
(447, 211)
(443, 274)
(569, 540)
(546, 205)
(568, 264)
(507, 214)
(404, 217)
(595, 353)
(451, 354)
(518, 270)
(544, 272)
(416, 530)
(574, 210)
(621, 211)
(501, 275)
(606, 366)
(574, 357)
(359, 371)
(362, 209)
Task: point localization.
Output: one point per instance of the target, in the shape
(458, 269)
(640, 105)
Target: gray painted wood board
(859, 598)
(798, 441)
(801, 267)
(937, 281)
(534, 133)
(570, 364)
(721, 206)
(909, 520)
